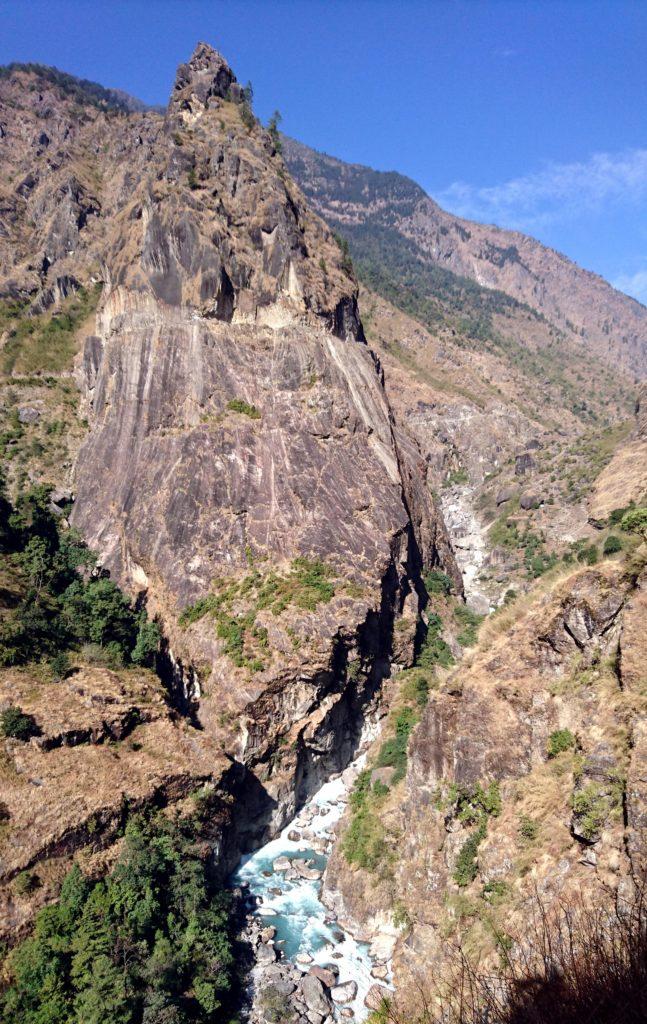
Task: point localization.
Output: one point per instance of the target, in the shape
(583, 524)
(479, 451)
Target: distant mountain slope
(81, 89)
(414, 253)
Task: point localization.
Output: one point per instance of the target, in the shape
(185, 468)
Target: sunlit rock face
(239, 423)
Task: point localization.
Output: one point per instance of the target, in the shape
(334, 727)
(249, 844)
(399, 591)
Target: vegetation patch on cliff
(234, 605)
(365, 842)
(44, 343)
(54, 599)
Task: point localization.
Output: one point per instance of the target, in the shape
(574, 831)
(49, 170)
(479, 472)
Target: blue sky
(527, 114)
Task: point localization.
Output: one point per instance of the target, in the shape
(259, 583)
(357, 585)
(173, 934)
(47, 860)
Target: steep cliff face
(236, 415)
(525, 780)
(374, 208)
(243, 475)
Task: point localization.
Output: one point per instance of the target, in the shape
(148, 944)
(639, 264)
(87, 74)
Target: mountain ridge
(358, 201)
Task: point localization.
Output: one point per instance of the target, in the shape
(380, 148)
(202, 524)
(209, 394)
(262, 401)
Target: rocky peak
(206, 77)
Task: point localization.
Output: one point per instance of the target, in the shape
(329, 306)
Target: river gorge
(303, 954)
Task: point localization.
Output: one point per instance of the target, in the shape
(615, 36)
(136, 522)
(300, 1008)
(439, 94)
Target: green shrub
(415, 687)
(401, 916)
(147, 643)
(273, 129)
(495, 891)
(346, 260)
(560, 740)
(110, 656)
(503, 533)
(393, 752)
(528, 829)
(612, 544)
(15, 724)
(60, 665)
(616, 517)
(364, 841)
(437, 582)
(591, 805)
(240, 405)
(247, 116)
(457, 476)
(466, 867)
(473, 802)
(588, 554)
(434, 650)
(25, 883)
(635, 521)
(470, 623)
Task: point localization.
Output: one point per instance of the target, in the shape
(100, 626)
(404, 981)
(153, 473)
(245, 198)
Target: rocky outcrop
(524, 755)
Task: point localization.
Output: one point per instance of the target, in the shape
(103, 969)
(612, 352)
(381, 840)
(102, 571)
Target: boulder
(326, 976)
(294, 836)
(383, 775)
(311, 874)
(345, 993)
(27, 414)
(314, 995)
(507, 494)
(381, 973)
(523, 463)
(281, 864)
(376, 996)
(265, 953)
(275, 979)
(528, 501)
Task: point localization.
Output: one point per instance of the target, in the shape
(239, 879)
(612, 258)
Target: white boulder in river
(344, 993)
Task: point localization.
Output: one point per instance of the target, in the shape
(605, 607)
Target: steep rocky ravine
(243, 477)
(240, 466)
(525, 780)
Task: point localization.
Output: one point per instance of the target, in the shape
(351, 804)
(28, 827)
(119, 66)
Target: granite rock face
(238, 423)
(239, 439)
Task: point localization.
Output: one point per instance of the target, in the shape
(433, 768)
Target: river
(306, 932)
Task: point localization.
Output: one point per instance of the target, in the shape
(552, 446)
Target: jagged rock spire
(207, 76)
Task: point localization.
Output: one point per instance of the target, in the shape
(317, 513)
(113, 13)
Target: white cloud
(633, 284)
(558, 192)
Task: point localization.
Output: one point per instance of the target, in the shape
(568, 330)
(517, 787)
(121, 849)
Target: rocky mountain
(516, 401)
(243, 500)
(242, 474)
(390, 220)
